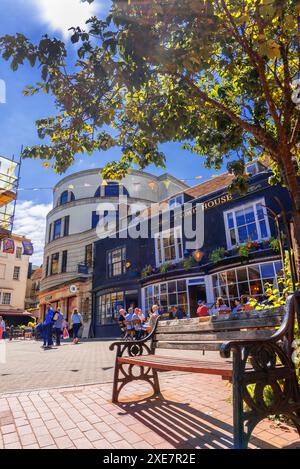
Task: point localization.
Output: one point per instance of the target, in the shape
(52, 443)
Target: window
(89, 255)
(67, 226)
(249, 280)
(176, 201)
(116, 262)
(50, 233)
(168, 246)
(64, 261)
(54, 264)
(64, 198)
(112, 189)
(247, 223)
(110, 217)
(47, 266)
(19, 253)
(16, 275)
(95, 219)
(2, 271)
(6, 298)
(107, 307)
(57, 229)
(167, 295)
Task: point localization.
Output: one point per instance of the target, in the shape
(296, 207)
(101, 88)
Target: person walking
(76, 320)
(58, 326)
(47, 327)
(2, 328)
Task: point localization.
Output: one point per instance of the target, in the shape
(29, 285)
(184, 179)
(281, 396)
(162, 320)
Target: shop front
(231, 283)
(182, 293)
(67, 298)
(107, 305)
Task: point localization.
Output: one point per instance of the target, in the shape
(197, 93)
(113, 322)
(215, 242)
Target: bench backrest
(209, 333)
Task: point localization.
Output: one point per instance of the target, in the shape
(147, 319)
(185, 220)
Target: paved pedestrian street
(57, 411)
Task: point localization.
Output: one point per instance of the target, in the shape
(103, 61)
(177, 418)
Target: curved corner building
(71, 231)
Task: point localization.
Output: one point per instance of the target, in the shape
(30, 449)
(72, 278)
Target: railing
(8, 183)
(6, 221)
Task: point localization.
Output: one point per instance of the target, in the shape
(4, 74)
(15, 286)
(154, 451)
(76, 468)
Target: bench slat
(213, 346)
(183, 325)
(200, 335)
(166, 363)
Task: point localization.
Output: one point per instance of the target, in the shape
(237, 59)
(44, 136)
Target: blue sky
(18, 115)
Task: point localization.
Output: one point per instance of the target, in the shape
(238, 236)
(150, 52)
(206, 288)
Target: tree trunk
(290, 178)
(296, 223)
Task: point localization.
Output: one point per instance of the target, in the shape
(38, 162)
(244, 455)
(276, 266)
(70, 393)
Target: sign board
(83, 269)
(86, 329)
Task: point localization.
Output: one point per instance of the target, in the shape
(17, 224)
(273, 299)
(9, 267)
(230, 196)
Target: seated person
(121, 321)
(238, 307)
(202, 309)
(130, 332)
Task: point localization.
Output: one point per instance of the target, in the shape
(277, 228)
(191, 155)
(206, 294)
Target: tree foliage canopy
(213, 74)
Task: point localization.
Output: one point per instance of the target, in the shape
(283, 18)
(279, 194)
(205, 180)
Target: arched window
(112, 189)
(64, 198)
(98, 192)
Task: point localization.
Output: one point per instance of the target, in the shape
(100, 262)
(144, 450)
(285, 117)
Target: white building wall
(142, 187)
(17, 288)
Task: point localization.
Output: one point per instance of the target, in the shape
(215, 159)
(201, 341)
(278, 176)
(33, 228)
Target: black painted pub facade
(239, 256)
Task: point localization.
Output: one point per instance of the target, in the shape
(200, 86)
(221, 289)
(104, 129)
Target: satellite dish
(73, 289)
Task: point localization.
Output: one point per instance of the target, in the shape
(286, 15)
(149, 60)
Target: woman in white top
(221, 307)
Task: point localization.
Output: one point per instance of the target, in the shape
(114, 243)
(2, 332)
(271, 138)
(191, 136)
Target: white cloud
(30, 221)
(60, 15)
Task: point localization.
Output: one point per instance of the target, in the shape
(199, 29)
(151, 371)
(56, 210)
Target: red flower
(249, 245)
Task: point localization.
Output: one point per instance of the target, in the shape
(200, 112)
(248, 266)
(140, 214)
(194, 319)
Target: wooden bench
(258, 352)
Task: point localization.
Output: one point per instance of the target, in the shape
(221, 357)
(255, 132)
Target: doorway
(131, 300)
(196, 293)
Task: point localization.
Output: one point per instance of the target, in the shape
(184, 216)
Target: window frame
(89, 254)
(110, 264)
(222, 289)
(64, 194)
(174, 199)
(64, 261)
(17, 268)
(51, 263)
(3, 296)
(67, 225)
(160, 257)
(19, 253)
(54, 237)
(253, 204)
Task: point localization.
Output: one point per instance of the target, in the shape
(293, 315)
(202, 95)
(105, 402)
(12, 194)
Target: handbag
(66, 333)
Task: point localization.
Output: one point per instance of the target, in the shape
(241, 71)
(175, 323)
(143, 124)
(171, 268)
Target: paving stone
(195, 411)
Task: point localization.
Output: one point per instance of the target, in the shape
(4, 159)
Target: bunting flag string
(151, 184)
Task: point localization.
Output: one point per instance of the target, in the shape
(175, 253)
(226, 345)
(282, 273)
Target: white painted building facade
(71, 230)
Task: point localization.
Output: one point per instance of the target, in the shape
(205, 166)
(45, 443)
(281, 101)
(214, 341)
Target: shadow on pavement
(183, 426)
